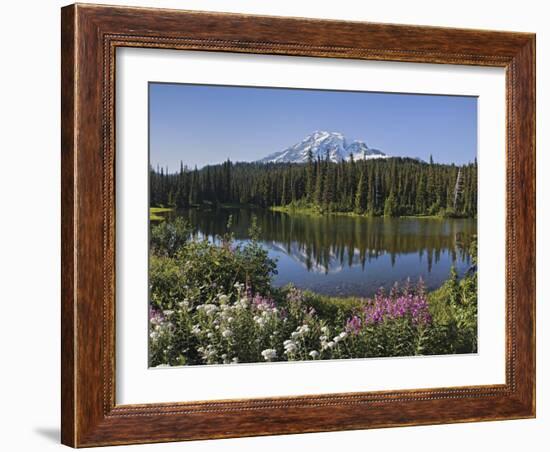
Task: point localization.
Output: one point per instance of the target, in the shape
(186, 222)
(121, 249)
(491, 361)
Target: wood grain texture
(90, 36)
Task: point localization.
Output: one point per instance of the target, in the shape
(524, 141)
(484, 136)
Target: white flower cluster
(300, 332)
(207, 308)
(264, 317)
(340, 337)
(290, 346)
(269, 354)
(314, 354)
(227, 333)
(242, 303)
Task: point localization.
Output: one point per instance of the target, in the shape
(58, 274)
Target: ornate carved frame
(90, 36)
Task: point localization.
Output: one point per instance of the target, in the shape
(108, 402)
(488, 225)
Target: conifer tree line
(390, 187)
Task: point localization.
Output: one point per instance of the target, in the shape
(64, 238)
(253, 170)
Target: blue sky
(201, 124)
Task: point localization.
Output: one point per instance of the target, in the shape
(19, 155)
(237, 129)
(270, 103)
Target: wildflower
(263, 303)
(353, 325)
(269, 354)
(210, 309)
(290, 346)
(223, 299)
(243, 303)
(314, 354)
(294, 295)
(155, 317)
(260, 320)
(238, 286)
(196, 329)
(227, 333)
(303, 329)
(168, 312)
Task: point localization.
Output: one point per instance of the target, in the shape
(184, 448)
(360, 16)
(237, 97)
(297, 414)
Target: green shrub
(168, 237)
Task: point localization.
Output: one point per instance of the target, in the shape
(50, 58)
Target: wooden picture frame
(90, 35)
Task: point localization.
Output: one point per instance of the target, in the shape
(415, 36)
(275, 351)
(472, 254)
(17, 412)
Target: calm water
(340, 255)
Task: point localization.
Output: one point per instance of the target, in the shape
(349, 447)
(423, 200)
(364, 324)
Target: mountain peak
(323, 144)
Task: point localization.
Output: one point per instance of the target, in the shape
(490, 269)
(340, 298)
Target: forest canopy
(390, 187)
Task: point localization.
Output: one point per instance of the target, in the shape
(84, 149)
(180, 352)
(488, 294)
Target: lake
(346, 255)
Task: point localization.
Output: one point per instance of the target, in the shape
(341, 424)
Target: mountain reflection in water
(347, 255)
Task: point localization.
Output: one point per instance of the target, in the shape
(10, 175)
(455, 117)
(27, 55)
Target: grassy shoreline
(289, 209)
(314, 212)
(154, 213)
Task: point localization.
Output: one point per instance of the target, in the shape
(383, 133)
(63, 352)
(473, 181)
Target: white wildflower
(290, 347)
(167, 312)
(196, 329)
(210, 308)
(314, 354)
(227, 333)
(269, 354)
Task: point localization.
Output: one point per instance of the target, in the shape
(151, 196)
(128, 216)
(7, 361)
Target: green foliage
(169, 236)
(197, 270)
(454, 310)
(390, 206)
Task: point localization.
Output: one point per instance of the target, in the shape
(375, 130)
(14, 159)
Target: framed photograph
(281, 225)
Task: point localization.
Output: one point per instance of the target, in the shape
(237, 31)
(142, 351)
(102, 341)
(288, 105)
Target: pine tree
(283, 194)
(360, 195)
(317, 197)
(390, 206)
(309, 176)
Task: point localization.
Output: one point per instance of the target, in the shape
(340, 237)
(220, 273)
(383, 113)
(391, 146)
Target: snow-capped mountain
(321, 142)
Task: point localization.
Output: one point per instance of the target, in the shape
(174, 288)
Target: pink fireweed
(353, 325)
(383, 308)
(155, 316)
(262, 303)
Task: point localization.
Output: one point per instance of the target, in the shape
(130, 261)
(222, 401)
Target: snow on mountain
(321, 142)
